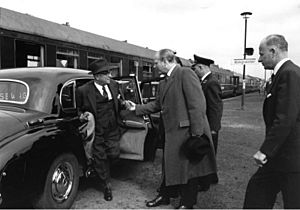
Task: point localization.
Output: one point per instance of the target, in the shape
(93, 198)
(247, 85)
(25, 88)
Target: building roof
(15, 21)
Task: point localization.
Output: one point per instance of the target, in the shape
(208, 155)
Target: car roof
(44, 73)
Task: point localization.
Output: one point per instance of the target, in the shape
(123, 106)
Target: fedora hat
(101, 66)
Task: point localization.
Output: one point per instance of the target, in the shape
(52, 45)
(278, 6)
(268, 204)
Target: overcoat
(183, 107)
(281, 112)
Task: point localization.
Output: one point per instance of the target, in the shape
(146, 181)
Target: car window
(149, 90)
(14, 91)
(67, 96)
(128, 90)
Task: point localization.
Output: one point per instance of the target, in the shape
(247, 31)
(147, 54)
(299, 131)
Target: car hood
(13, 121)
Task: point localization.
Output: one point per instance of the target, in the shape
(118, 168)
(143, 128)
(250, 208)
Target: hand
(260, 158)
(129, 105)
(84, 117)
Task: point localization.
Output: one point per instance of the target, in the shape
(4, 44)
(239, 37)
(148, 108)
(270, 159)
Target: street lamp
(245, 16)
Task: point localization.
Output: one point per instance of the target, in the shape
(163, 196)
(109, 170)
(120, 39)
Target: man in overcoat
(279, 156)
(183, 110)
(100, 97)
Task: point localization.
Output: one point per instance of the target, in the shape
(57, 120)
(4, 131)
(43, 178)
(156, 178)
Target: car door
(138, 129)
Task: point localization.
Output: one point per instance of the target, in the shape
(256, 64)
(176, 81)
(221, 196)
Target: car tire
(61, 184)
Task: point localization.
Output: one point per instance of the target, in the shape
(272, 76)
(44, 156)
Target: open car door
(137, 141)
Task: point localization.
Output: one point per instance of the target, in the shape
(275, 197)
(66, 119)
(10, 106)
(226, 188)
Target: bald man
(278, 158)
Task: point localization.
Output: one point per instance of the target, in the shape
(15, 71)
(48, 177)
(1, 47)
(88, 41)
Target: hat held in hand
(196, 147)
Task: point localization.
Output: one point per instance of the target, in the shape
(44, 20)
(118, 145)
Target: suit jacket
(214, 104)
(281, 112)
(183, 110)
(86, 98)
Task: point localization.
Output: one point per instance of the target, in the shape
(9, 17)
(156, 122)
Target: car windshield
(13, 91)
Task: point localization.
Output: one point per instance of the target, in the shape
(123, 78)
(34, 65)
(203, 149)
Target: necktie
(272, 77)
(104, 92)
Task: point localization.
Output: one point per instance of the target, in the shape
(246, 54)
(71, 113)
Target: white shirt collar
(279, 64)
(170, 71)
(100, 88)
(205, 75)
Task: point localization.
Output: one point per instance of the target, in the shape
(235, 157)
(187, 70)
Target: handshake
(129, 105)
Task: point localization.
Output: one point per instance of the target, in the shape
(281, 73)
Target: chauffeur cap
(101, 66)
(201, 60)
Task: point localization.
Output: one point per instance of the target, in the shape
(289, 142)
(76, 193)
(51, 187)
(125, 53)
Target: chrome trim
(70, 81)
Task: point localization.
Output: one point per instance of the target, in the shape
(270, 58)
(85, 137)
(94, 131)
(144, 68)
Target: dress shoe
(108, 194)
(183, 207)
(159, 200)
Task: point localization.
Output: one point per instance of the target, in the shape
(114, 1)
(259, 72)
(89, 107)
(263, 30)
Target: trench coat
(183, 107)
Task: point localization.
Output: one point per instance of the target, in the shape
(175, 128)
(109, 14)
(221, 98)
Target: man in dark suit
(213, 95)
(100, 97)
(214, 108)
(279, 156)
(182, 105)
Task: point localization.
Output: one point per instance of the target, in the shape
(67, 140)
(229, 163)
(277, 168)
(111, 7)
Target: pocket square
(269, 95)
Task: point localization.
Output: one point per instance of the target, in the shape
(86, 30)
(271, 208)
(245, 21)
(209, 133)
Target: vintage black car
(42, 141)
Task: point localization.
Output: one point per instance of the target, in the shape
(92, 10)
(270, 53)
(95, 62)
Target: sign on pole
(244, 61)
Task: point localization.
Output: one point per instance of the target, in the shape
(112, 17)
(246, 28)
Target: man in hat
(214, 108)
(99, 97)
(213, 95)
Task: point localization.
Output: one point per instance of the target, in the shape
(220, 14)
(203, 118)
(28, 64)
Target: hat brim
(103, 70)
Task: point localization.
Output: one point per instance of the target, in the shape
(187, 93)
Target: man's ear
(272, 50)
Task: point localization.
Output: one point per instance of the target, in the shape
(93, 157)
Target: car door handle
(36, 122)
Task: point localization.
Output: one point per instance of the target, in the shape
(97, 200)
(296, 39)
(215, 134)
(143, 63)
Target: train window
(147, 71)
(66, 58)
(93, 57)
(29, 54)
(133, 67)
(116, 61)
(33, 61)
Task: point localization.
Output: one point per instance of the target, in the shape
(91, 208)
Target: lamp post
(245, 16)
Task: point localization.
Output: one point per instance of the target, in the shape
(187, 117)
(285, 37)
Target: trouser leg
(262, 190)
(189, 192)
(290, 187)
(167, 191)
(101, 163)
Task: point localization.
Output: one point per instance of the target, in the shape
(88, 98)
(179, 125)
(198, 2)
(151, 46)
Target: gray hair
(167, 54)
(278, 41)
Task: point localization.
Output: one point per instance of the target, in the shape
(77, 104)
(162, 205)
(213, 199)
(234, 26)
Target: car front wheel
(61, 184)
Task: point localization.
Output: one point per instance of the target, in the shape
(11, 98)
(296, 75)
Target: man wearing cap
(213, 95)
(214, 109)
(99, 97)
